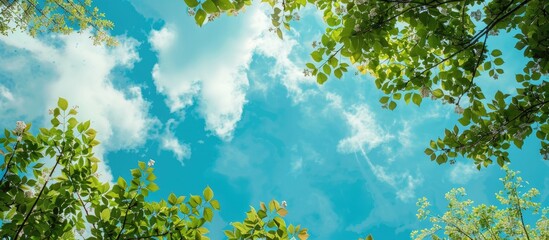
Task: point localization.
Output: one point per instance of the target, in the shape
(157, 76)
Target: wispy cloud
(170, 143)
(462, 173)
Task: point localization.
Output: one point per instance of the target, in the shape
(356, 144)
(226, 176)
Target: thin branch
(38, 197)
(9, 162)
(475, 68)
(130, 205)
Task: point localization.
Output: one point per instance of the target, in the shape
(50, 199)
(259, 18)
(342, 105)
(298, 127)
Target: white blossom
(19, 138)
(477, 15)
(357, 28)
(20, 127)
(284, 204)
(151, 163)
(442, 11)
(373, 13)
(191, 12)
(29, 193)
(425, 92)
(458, 109)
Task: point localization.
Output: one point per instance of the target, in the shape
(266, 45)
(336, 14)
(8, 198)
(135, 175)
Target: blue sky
(227, 106)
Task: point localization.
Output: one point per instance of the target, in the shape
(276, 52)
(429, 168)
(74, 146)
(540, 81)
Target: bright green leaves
(437, 93)
(317, 56)
(208, 194)
(200, 17)
(210, 7)
(266, 223)
(63, 104)
(321, 78)
(499, 221)
(498, 61)
(191, 3)
(409, 50)
(56, 17)
(225, 5)
(105, 214)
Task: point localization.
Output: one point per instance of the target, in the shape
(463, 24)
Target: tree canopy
(417, 49)
(462, 220)
(50, 189)
(57, 16)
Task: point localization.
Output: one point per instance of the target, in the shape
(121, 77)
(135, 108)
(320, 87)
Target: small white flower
(493, 32)
(373, 13)
(29, 193)
(151, 163)
(284, 204)
(458, 109)
(442, 10)
(191, 12)
(20, 127)
(357, 28)
(19, 138)
(477, 15)
(296, 16)
(425, 92)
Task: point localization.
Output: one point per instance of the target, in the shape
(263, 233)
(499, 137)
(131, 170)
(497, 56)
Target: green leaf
(279, 33)
(172, 199)
(496, 53)
(416, 98)
(105, 214)
(392, 105)
(321, 78)
(136, 173)
(437, 93)
(191, 3)
(142, 165)
(317, 56)
(310, 65)
(498, 61)
(63, 104)
(209, 6)
(200, 17)
(327, 70)
(208, 193)
(225, 5)
(215, 204)
(208, 214)
(121, 182)
(338, 74)
(152, 187)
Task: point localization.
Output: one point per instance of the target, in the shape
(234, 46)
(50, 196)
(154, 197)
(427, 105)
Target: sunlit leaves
(504, 221)
(445, 48)
(191, 3)
(200, 17)
(74, 192)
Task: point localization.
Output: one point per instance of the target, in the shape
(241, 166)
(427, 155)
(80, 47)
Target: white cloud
(461, 173)
(212, 72)
(71, 67)
(365, 130)
(171, 143)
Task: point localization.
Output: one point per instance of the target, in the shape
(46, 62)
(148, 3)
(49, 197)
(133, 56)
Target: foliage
(58, 16)
(67, 200)
(433, 48)
(266, 223)
(464, 221)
